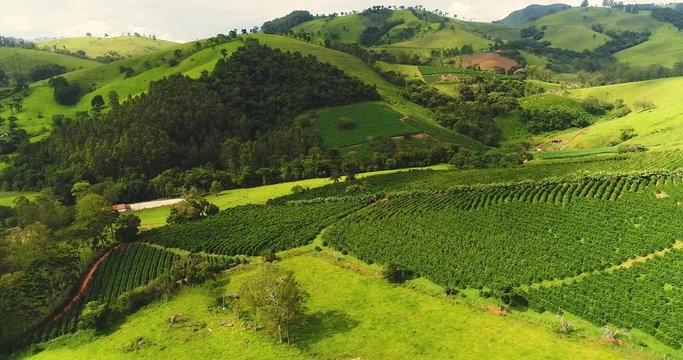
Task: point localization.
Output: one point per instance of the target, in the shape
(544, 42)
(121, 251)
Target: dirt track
(153, 204)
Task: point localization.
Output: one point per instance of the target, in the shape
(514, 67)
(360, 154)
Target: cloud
(189, 20)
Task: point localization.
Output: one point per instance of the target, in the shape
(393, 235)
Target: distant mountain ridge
(531, 13)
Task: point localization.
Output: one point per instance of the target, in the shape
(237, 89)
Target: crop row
(125, 269)
(557, 193)
(249, 230)
(513, 243)
(647, 296)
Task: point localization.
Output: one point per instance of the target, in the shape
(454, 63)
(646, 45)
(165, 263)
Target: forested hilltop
(238, 121)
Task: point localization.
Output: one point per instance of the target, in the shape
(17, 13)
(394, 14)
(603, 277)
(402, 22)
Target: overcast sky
(187, 20)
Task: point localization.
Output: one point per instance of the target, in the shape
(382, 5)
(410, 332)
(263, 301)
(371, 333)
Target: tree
(274, 300)
(584, 3)
(126, 228)
(97, 103)
(64, 92)
(395, 273)
(191, 269)
(193, 209)
(95, 216)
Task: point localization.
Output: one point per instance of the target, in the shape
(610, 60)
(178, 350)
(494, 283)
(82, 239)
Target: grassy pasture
(368, 120)
(659, 127)
(95, 46)
(348, 305)
(21, 61)
(7, 197)
(441, 39)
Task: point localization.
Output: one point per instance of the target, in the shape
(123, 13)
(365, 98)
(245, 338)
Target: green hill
(125, 46)
(40, 106)
(573, 29)
(531, 13)
(348, 305)
(658, 127)
(15, 61)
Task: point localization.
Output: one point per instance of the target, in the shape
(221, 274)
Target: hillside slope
(20, 61)
(660, 126)
(347, 307)
(93, 47)
(573, 29)
(532, 12)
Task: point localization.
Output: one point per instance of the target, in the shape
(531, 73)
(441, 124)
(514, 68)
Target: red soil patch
(495, 310)
(84, 283)
(489, 61)
(358, 269)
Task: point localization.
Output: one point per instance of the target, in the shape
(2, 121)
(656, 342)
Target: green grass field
(571, 29)
(353, 314)
(442, 39)
(95, 46)
(367, 120)
(660, 127)
(21, 61)
(7, 197)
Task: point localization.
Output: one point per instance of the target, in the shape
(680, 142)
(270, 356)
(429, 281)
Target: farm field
(156, 217)
(347, 125)
(348, 307)
(95, 46)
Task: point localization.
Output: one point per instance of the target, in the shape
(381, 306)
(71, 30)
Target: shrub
(396, 274)
(346, 124)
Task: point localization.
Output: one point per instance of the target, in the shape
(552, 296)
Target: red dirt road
(84, 283)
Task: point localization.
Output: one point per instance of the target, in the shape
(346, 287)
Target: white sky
(187, 20)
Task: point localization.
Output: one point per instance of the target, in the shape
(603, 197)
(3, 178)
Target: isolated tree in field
(273, 299)
(395, 273)
(126, 228)
(97, 103)
(644, 105)
(584, 3)
(224, 52)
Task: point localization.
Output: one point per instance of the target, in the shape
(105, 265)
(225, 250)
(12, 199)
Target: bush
(396, 274)
(346, 124)
(632, 148)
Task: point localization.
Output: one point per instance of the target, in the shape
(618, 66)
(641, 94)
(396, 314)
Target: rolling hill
(15, 61)
(659, 127)
(40, 106)
(125, 46)
(573, 29)
(531, 13)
